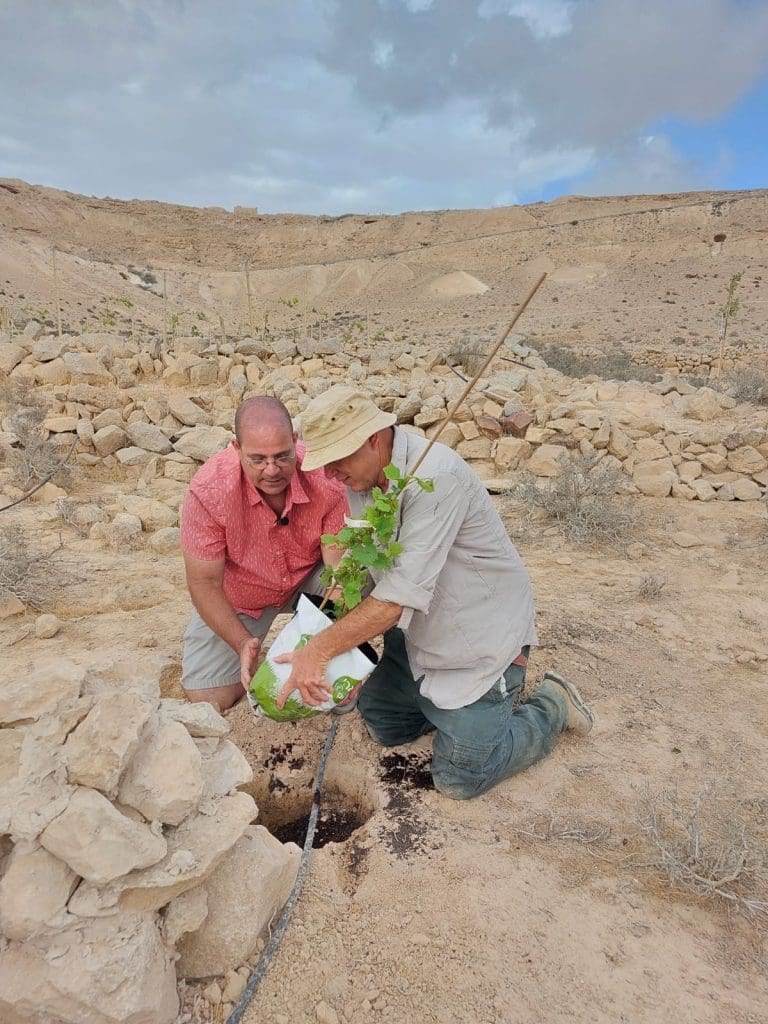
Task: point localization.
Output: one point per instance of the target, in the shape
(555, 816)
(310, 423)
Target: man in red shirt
(250, 534)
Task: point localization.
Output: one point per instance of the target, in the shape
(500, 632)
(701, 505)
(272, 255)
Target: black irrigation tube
(271, 948)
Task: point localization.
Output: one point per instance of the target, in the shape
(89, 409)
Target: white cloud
(383, 52)
(545, 18)
(354, 105)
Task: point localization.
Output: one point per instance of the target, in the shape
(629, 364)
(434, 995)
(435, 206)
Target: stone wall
(124, 841)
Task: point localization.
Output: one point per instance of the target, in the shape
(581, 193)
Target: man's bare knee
(222, 697)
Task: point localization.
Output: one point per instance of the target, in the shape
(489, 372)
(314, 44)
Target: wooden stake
(165, 314)
(452, 411)
(248, 297)
(56, 290)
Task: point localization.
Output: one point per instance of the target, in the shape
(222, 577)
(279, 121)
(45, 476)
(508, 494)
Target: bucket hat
(337, 423)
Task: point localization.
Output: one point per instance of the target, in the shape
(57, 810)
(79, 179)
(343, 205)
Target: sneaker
(349, 703)
(580, 719)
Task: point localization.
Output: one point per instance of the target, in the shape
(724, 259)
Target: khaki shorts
(208, 661)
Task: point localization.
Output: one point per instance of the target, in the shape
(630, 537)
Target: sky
(381, 106)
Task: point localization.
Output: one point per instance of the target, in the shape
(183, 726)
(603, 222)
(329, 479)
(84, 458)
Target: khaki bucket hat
(337, 423)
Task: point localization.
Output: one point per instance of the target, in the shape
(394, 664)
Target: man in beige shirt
(456, 610)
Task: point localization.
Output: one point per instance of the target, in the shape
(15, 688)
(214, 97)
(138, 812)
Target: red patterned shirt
(224, 516)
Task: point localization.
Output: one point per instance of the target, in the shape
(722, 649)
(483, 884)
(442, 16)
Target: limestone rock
(224, 767)
(194, 850)
(202, 442)
(86, 368)
(655, 478)
(620, 444)
(509, 452)
(688, 471)
(187, 412)
(238, 913)
(108, 439)
(11, 741)
(38, 778)
(60, 424)
(33, 891)
(746, 460)
(54, 683)
(746, 490)
(47, 349)
(164, 779)
(546, 460)
(99, 749)
(10, 357)
(165, 540)
(104, 971)
(199, 719)
(149, 437)
(132, 455)
(46, 626)
(185, 914)
(648, 449)
(154, 515)
(704, 490)
(98, 842)
(10, 605)
(703, 406)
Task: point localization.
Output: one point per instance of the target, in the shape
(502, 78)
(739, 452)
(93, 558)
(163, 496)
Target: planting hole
(338, 818)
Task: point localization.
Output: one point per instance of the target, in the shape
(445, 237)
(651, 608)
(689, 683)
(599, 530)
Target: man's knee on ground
(458, 783)
(222, 697)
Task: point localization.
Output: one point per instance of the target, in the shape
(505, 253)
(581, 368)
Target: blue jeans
(476, 746)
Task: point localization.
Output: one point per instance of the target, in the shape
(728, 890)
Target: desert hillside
(635, 269)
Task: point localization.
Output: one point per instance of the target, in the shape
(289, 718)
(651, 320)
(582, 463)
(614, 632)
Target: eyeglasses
(262, 461)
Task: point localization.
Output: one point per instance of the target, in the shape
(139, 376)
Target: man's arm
(308, 664)
(206, 587)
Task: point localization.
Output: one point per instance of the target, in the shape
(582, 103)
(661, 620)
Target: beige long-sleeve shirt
(466, 595)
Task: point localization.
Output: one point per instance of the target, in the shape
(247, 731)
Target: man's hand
(249, 655)
(307, 676)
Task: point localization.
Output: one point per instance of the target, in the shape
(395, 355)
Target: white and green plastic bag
(343, 673)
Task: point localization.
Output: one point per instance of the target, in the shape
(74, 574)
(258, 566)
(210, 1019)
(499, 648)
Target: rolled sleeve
(334, 517)
(430, 521)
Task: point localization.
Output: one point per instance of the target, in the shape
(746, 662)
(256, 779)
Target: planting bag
(343, 672)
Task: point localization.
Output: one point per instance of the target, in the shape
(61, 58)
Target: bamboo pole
(165, 314)
(454, 408)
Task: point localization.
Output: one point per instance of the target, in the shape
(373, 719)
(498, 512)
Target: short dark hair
(262, 406)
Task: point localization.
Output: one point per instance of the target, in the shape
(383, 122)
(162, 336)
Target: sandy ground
(540, 900)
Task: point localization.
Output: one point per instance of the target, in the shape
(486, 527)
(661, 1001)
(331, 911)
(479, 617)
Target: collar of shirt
(400, 450)
(295, 495)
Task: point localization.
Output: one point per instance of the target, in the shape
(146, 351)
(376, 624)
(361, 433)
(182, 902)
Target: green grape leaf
(425, 485)
(352, 596)
(391, 472)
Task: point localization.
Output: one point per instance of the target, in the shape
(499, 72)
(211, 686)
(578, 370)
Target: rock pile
(126, 848)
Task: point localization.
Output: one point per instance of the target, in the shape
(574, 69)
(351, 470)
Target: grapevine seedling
(368, 542)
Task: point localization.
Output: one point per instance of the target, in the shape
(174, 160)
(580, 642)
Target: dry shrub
(615, 364)
(470, 354)
(706, 847)
(650, 587)
(35, 456)
(749, 385)
(581, 499)
(34, 577)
